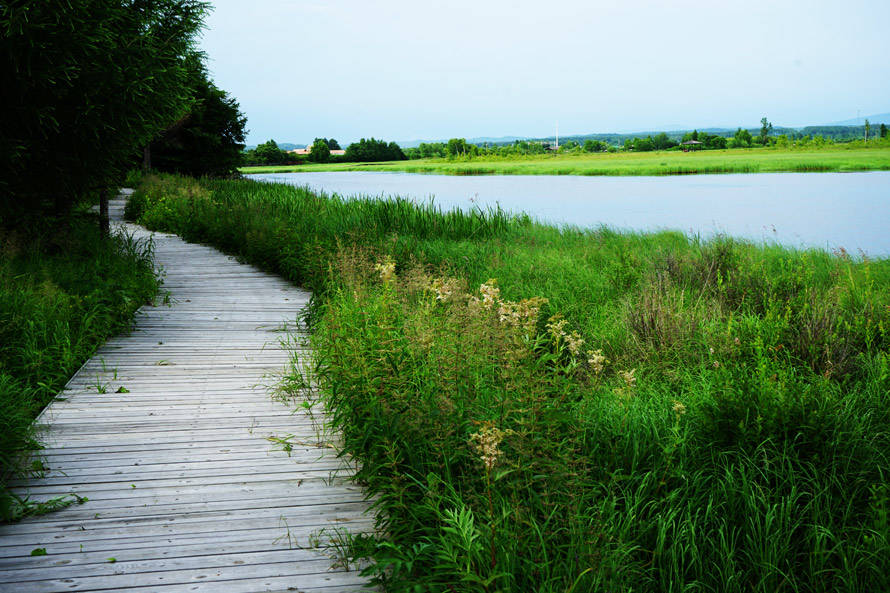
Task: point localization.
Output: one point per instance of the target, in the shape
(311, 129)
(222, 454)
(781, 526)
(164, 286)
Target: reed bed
(546, 409)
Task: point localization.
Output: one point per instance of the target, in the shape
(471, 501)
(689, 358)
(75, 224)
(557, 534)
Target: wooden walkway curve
(167, 432)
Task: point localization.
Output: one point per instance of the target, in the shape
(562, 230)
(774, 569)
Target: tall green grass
(64, 289)
(722, 427)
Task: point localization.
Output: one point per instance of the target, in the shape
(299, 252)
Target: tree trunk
(146, 158)
(103, 211)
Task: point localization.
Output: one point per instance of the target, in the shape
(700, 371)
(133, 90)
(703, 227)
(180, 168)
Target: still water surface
(828, 210)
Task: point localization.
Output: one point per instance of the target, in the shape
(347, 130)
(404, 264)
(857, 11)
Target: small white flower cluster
(679, 408)
(626, 391)
(445, 289)
(491, 294)
(629, 377)
(573, 341)
(596, 360)
(387, 271)
(487, 442)
(522, 314)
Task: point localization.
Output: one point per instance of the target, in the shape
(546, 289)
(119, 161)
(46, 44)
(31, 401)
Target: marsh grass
(64, 289)
(677, 415)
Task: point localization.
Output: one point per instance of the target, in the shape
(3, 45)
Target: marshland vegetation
(543, 409)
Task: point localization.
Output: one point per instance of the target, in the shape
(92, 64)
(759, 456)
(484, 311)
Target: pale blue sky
(403, 70)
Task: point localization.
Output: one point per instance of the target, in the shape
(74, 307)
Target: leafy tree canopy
(85, 84)
(209, 139)
(372, 150)
(742, 137)
(268, 153)
(766, 129)
(320, 151)
(591, 145)
(457, 146)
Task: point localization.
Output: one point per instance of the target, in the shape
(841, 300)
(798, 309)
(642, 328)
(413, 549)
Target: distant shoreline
(627, 164)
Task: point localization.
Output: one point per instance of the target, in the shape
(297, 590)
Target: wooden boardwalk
(167, 432)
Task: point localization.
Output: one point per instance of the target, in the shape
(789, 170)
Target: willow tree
(85, 84)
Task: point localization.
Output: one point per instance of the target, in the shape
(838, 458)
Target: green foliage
(320, 152)
(720, 428)
(85, 84)
(427, 150)
(594, 146)
(643, 144)
(266, 153)
(372, 150)
(64, 289)
(741, 139)
(714, 141)
(766, 129)
(456, 147)
(209, 139)
(659, 142)
(662, 142)
(570, 146)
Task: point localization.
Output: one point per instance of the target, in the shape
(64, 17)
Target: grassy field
(835, 158)
(537, 409)
(64, 289)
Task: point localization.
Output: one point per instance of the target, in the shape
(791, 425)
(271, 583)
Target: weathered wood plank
(145, 507)
(218, 489)
(267, 537)
(185, 490)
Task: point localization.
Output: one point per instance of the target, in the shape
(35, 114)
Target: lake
(828, 210)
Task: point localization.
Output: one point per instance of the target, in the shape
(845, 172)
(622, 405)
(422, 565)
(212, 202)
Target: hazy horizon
(409, 71)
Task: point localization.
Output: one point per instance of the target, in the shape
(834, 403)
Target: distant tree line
(459, 148)
(365, 150)
(267, 153)
(371, 150)
(766, 135)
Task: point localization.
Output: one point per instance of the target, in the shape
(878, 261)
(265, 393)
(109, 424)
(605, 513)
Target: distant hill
(880, 118)
(476, 140)
(281, 145)
(490, 140)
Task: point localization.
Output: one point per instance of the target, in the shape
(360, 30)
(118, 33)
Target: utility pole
(557, 134)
